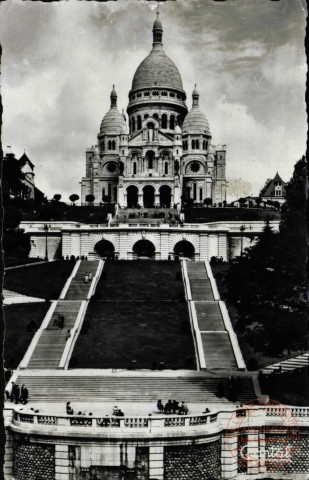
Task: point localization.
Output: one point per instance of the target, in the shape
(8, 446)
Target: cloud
(60, 60)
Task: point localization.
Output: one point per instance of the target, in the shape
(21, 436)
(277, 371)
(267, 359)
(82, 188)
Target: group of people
(59, 321)
(18, 394)
(117, 412)
(87, 277)
(172, 406)
(70, 410)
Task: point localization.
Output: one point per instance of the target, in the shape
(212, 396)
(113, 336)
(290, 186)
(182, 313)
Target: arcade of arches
(105, 249)
(148, 196)
(144, 248)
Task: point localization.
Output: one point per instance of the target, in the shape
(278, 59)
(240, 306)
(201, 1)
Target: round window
(195, 166)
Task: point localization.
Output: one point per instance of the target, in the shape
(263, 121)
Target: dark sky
(60, 60)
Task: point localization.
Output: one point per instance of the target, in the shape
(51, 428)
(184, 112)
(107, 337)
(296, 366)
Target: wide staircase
(49, 349)
(78, 289)
(288, 365)
(193, 389)
(153, 216)
(217, 346)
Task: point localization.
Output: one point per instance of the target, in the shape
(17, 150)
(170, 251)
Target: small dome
(157, 24)
(96, 150)
(177, 130)
(195, 121)
(113, 121)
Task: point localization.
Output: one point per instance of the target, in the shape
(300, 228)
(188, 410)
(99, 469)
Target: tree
(89, 198)
(258, 201)
(73, 198)
(57, 197)
(242, 201)
(207, 202)
(267, 284)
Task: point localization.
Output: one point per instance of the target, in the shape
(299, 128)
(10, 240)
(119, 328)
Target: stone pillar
(8, 454)
(229, 451)
(61, 462)
(140, 199)
(156, 463)
(121, 197)
(157, 199)
(204, 246)
(253, 452)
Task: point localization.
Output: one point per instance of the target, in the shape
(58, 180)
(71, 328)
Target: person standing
(24, 394)
(16, 393)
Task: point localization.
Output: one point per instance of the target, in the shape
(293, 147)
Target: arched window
(164, 120)
(206, 145)
(113, 145)
(155, 93)
(103, 194)
(179, 120)
(139, 95)
(194, 191)
(172, 122)
(146, 94)
(146, 116)
(109, 192)
(133, 124)
(178, 95)
(134, 168)
(177, 151)
(156, 116)
(150, 158)
(164, 94)
(197, 144)
(139, 122)
(201, 194)
(172, 94)
(193, 144)
(166, 168)
(109, 145)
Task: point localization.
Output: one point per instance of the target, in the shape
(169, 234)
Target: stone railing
(110, 423)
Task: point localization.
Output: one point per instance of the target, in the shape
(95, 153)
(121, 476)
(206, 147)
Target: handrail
(213, 282)
(95, 279)
(233, 337)
(69, 346)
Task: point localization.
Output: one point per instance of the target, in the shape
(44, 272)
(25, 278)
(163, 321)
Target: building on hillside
(274, 189)
(28, 190)
(249, 202)
(165, 155)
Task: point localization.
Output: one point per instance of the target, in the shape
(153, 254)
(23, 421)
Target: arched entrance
(132, 196)
(184, 249)
(105, 249)
(149, 196)
(165, 196)
(144, 248)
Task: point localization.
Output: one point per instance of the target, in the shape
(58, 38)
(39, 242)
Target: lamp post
(242, 229)
(46, 253)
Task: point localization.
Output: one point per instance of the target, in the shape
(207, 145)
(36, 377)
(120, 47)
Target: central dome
(157, 70)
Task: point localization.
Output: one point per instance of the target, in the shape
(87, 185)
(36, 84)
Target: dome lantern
(195, 97)
(113, 97)
(157, 31)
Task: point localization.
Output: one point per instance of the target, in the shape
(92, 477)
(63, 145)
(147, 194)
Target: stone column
(61, 462)
(140, 199)
(157, 198)
(229, 451)
(8, 453)
(156, 463)
(253, 452)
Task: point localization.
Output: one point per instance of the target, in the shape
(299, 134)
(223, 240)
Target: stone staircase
(78, 289)
(49, 349)
(288, 365)
(217, 346)
(100, 388)
(51, 344)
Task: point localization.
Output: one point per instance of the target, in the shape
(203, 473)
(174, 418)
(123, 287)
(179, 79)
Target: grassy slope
(204, 214)
(17, 338)
(137, 313)
(43, 281)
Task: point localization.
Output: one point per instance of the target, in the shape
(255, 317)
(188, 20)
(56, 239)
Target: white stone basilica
(165, 156)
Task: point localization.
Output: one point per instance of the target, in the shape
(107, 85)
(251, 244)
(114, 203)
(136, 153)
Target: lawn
(13, 261)
(138, 313)
(43, 281)
(17, 338)
(143, 331)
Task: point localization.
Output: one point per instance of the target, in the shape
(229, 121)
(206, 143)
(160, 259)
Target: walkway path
(10, 297)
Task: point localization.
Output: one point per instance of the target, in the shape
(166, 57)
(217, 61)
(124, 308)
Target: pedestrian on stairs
(24, 394)
(90, 275)
(86, 277)
(16, 393)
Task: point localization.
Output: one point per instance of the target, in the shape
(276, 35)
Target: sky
(60, 60)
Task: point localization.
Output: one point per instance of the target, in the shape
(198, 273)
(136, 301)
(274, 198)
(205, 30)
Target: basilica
(165, 156)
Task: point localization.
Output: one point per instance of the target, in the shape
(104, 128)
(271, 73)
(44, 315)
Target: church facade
(164, 155)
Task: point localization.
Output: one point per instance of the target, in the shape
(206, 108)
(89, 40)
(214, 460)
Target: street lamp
(242, 229)
(46, 254)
